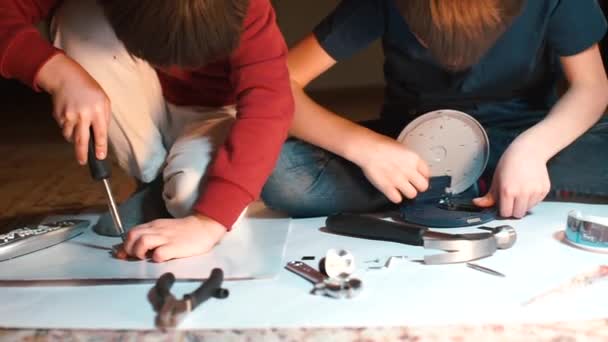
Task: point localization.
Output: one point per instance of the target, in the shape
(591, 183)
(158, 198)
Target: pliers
(170, 311)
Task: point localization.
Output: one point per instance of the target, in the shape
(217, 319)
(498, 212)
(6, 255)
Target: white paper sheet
(253, 249)
(406, 295)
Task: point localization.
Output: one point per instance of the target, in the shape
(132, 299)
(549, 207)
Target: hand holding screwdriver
(101, 171)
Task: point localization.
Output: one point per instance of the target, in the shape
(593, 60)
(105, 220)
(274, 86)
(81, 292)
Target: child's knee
(186, 166)
(145, 164)
(296, 185)
(181, 191)
(296, 199)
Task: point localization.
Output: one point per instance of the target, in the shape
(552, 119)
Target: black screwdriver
(100, 171)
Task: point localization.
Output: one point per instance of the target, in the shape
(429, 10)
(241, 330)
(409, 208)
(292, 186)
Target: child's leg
(138, 107)
(194, 136)
(309, 181)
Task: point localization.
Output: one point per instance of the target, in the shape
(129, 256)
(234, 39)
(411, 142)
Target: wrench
(459, 247)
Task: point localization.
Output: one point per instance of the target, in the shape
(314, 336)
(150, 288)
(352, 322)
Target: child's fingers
(423, 168)
(536, 198)
(407, 189)
(387, 189)
(100, 130)
(170, 251)
(520, 205)
(121, 254)
(132, 236)
(67, 129)
(485, 201)
(147, 242)
(165, 253)
(506, 205)
(81, 141)
(58, 113)
(420, 182)
(392, 194)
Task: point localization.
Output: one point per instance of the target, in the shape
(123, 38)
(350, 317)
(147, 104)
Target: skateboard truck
(458, 247)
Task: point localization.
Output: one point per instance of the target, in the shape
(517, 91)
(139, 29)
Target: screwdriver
(100, 171)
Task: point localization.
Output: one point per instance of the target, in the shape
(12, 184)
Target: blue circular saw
(456, 148)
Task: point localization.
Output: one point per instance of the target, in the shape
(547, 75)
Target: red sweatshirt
(255, 78)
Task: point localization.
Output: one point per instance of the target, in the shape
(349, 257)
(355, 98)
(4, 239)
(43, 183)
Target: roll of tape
(589, 231)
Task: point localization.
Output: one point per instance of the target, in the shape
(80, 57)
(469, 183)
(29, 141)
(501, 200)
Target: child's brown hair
(184, 33)
(459, 32)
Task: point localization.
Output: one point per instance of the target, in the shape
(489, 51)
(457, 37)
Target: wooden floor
(39, 175)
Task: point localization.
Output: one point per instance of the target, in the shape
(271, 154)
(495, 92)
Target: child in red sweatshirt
(197, 90)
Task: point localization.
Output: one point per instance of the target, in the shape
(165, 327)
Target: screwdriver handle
(99, 168)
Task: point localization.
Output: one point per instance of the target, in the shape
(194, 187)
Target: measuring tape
(588, 231)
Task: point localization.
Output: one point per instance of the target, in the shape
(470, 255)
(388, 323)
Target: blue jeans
(309, 181)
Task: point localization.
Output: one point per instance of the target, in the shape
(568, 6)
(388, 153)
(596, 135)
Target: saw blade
(452, 143)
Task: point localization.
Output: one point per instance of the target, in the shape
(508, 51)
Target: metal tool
(339, 287)
(100, 171)
(438, 207)
(171, 311)
(456, 148)
(452, 143)
(390, 262)
(484, 269)
(30, 239)
(458, 247)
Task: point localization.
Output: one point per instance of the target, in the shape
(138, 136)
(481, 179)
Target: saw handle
(369, 227)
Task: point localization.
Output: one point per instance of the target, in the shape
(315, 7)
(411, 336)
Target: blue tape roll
(586, 231)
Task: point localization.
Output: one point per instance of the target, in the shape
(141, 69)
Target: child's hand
(521, 181)
(394, 170)
(79, 102)
(168, 239)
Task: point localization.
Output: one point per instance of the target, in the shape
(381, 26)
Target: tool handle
(210, 288)
(164, 284)
(369, 227)
(99, 168)
(305, 271)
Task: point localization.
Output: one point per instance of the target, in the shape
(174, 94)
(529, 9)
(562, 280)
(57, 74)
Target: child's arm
(579, 109)
(521, 179)
(264, 107)
(392, 168)
(79, 101)
(23, 51)
(244, 162)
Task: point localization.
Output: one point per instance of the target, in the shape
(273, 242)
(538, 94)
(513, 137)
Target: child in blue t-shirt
(500, 61)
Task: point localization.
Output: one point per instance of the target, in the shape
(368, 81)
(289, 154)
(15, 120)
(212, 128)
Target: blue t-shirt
(514, 83)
